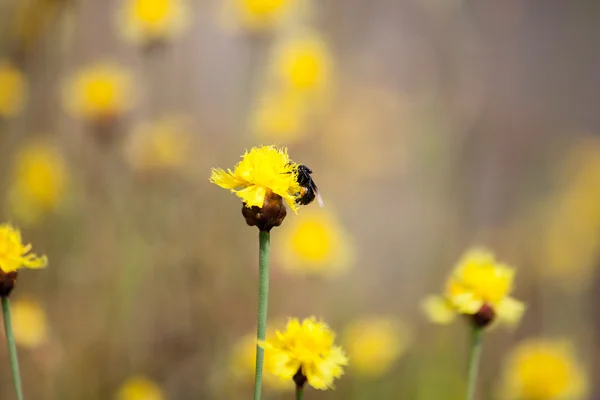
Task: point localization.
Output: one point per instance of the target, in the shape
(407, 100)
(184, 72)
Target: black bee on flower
(308, 188)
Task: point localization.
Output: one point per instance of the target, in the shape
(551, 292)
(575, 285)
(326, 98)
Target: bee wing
(317, 194)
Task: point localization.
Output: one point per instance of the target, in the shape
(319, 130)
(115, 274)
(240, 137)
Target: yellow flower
(374, 343)
(540, 369)
(139, 388)
(243, 363)
(261, 169)
(100, 92)
(160, 144)
(39, 177)
(14, 254)
(477, 280)
(316, 243)
(30, 325)
(280, 116)
(260, 15)
(13, 87)
(144, 21)
(303, 63)
(306, 347)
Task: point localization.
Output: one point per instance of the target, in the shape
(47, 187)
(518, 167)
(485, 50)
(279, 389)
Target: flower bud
(271, 214)
(300, 379)
(7, 282)
(484, 316)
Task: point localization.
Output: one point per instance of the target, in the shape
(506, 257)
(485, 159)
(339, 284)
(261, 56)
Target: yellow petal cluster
(541, 369)
(316, 243)
(139, 387)
(308, 347)
(30, 325)
(38, 182)
(13, 87)
(14, 254)
(243, 363)
(145, 21)
(374, 343)
(260, 170)
(477, 279)
(160, 144)
(100, 92)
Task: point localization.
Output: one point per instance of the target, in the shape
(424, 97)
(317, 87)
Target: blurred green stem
(299, 393)
(263, 300)
(476, 344)
(12, 347)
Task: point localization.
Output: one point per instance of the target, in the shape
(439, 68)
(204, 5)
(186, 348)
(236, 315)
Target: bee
(308, 188)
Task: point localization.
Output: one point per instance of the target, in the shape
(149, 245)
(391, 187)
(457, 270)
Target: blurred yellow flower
(13, 90)
(303, 63)
(540, 369)
(160, 144)
(374, 344)
(316, 243)
(30, 324)
(145, 21)
(280, 116)
(14, 254)
(100, 92)
(140, 388)
(38, 181)
(243, 363)
(261, 169)
(260, 15)
(478, 280)
(308, 348)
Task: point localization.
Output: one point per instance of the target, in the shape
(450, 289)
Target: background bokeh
(431, 126)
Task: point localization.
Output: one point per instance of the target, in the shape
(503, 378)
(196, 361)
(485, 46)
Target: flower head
(14, 254)
(38, 182)
(479, 287)
(144, 21)
(139, 388)
(543, 370)
(262, 169)
(374, 343)
(99, 93)
(306, 348)
(316, 243)
(30, 324)
(160, 144)
(13, 88)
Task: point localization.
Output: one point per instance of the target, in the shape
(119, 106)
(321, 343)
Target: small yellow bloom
(100, 92)
(39, 178)
(280, 116)
(374, 344)
(306, 347)
(260, 15)
(243, 363)
(477, 280)
(261, 169)
(30, 324)
(161, 144)
(14, 254)
(144, 21)
(303, 64)
(13, 88)
(316, 243)
(543, 370)
(140, 388)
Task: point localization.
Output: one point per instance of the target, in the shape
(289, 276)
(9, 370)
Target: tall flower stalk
(263, 302)
(474, 359)
(12, 347)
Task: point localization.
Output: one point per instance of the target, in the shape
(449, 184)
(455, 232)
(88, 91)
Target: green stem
(12, 347)
(263, 301)
(475, 357)
(299, 393)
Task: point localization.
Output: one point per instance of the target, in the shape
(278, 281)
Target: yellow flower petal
(509, 310)
(438, 310)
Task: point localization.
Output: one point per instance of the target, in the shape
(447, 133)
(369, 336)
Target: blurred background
(431, 126)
